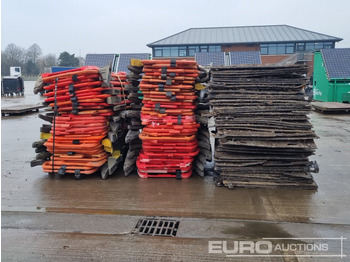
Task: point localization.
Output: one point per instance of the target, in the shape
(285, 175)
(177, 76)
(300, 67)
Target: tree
(66, 59)
(15, 54)
(81, 60)
(47, 61)
(30, 68)
(33, 53)
(5, 68)
(51, 60)
(12, 56)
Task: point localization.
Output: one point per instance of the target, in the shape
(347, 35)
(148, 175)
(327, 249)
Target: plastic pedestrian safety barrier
(86, 132)
(145, 119)
(169, 141)
(132, 116)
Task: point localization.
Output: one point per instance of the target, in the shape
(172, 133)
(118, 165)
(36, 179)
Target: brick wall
(272, 59)
(232, 48)
(310, 64)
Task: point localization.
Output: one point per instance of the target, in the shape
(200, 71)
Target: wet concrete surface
(47, 218)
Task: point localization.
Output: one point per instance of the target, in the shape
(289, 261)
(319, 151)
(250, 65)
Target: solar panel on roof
(245, 58)
(215, 58)
(99, 60)
(337, 62)
(124, 60)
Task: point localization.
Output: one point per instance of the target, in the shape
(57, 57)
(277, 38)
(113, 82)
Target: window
(318, 46)
(289, 49)
(182, 51)
(203, 49)
(281, 49)
(192, 50)
(214, 48)
(174, 51)
(158, 52)
(309, 47)
(272, 49)
(328, 45)
(166, 51)
(264, 49)
(300, 46)
(277, 49)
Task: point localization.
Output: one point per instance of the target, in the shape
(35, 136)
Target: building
(277, 44)
(331, 80)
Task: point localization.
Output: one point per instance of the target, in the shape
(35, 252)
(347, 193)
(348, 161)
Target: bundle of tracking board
(78, 98)
(263, 134)
(169, 142)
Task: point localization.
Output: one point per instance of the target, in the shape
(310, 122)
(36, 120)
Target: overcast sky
(114, 26)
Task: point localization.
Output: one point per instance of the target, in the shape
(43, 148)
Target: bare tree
(81, 60)
(33, 53)
(47, 61)
(51, 60)
(13, 55)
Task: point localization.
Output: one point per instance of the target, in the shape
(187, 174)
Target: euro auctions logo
(240, 247)
(280, 247)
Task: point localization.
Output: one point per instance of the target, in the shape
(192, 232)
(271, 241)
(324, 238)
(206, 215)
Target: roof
(337, 62)
(100, 60)
(245, 58)
(11, 77)
(243, 34)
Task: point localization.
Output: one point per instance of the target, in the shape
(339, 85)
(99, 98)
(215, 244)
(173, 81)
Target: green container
(346, 97)
(325, 89)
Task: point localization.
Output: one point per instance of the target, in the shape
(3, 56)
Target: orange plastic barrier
(169, 142)
(81, 123)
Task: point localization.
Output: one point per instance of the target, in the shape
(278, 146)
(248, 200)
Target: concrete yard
(47, 218)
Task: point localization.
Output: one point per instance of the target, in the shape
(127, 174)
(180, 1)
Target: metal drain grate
(157, 227)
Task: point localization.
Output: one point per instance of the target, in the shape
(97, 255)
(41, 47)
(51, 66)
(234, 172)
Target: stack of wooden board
(263, 136)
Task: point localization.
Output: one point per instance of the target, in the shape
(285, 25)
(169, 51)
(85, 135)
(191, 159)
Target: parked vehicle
(11, 85)
(15, 71)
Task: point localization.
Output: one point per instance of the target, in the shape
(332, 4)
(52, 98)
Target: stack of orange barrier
(169, 142)
(79, 98)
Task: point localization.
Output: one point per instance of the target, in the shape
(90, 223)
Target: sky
(115, 26)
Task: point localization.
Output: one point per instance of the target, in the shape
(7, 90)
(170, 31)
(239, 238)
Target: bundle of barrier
(114, 143)
(202, 117)
(132, 116)
(169, 141)
(79, 121)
